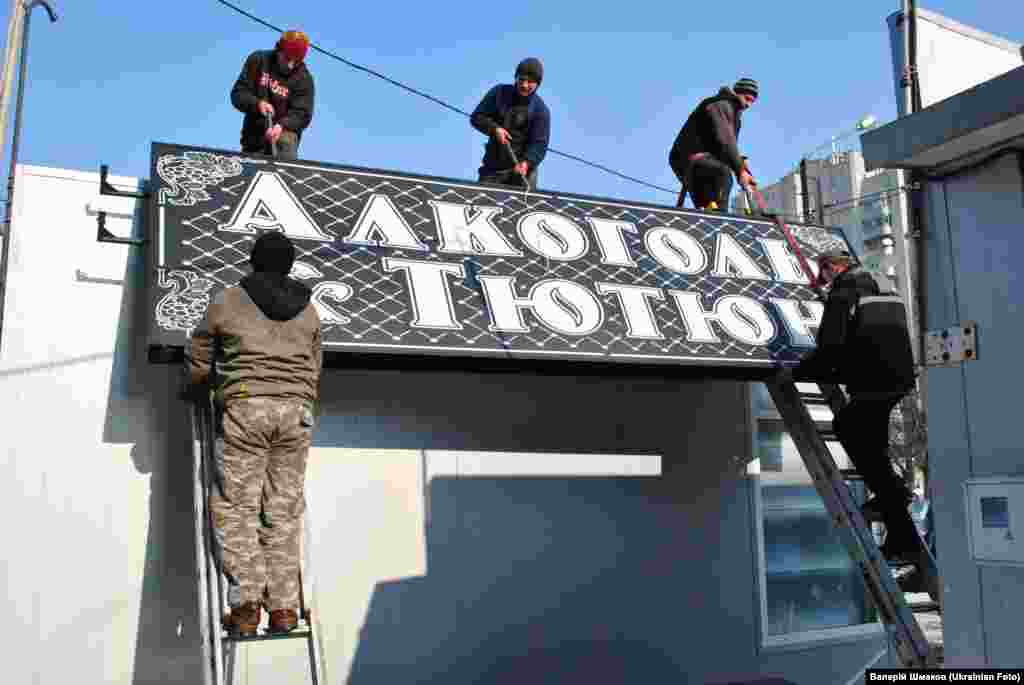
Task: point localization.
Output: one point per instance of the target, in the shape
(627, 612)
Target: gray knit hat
(746, 85)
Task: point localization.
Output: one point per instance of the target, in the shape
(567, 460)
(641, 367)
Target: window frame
(805, 639)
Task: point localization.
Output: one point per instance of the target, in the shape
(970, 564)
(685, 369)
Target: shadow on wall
(143, 409)
(570, 580)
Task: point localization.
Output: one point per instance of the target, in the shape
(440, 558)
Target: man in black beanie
(705, 154)
(518, 124)
(263, 336)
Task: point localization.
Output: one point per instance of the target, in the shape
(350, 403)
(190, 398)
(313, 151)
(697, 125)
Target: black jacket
(712, 127)
(291, 94)
(527, 120)
(863, 340)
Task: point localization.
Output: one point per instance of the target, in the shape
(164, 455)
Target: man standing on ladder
(276, 84)
(518, 124)
(262, 338)
(705, 154)
(863, 342)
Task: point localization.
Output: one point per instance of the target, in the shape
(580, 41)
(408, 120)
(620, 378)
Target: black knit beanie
(273, 252)
(531, 67)
(745, 85)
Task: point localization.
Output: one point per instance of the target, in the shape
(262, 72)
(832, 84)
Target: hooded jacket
(527, 120)
(863, 341)
(291, 94)
(713, 127)
(264, 337)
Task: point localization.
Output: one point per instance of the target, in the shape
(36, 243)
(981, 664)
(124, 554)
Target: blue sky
(620, 78)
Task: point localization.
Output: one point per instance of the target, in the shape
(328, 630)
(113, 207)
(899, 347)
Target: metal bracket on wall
(103, 235)
(951, 346)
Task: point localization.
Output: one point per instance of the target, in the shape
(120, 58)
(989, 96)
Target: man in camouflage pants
(264, 337)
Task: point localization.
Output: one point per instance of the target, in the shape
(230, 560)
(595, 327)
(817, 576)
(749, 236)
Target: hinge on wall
(103, 235)
(951, 346)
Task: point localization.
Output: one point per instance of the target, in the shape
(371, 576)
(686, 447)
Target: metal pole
(821, 203)
(804, 194)
(10, 60)
(22, 68)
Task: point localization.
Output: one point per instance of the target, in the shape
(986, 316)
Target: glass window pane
(810, 581)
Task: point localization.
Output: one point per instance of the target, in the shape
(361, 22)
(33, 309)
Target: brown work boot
(243, 620)
(283, 620)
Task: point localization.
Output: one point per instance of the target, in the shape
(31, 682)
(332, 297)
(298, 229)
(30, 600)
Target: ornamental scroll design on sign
(817, 238)
(185, 305)
(191, 173)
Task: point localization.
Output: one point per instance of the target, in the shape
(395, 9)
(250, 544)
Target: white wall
(951, 57)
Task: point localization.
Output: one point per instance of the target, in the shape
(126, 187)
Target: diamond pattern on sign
(380, 309)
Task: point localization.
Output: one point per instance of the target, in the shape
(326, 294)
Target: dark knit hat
(272, 252)
(746, 85)
(532, 68)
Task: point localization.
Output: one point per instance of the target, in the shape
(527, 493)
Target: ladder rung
(262, 638)
(830, 481)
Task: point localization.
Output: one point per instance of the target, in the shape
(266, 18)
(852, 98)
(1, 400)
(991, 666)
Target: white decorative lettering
(429, 292)
(553, 236)
(675, 250)
(784, 262)
(636, 308)
(562, 306)
(797, 324)
(611, 242)
(743, 318)
(270, 205)
(339, 292)
(465, 229)
(380, 217)
(732, 261)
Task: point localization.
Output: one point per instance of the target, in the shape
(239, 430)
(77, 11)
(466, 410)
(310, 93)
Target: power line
(436, 100)
(864, 199)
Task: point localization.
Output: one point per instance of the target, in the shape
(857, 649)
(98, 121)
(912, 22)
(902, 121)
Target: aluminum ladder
(900, 624)
(220, 650)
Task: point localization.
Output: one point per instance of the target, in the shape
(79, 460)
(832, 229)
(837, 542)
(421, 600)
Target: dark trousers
(709, 180)
(862, 427)
(287, 146)
(706, 179)
(508, 178)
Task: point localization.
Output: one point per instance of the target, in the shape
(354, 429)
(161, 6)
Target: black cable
(435, 100)
(863, 199)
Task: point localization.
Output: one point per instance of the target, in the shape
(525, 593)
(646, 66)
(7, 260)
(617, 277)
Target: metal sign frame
(410, 270)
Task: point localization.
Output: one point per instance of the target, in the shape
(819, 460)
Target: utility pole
(805, 194)
(26, 15)
(913, 266)
(11, 47)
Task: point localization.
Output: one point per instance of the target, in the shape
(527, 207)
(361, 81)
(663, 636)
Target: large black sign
(411, 265)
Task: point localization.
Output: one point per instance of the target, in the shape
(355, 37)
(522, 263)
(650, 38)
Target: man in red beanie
(275, 82)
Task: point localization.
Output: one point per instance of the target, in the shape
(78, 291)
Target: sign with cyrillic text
(422, 266)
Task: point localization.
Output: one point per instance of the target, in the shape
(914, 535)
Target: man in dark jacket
(262, 339)
(519, 126)
(277, 83)
(863, 342)
(705, 154)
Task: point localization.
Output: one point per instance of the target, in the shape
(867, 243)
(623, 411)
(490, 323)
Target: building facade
(968, 148)
(464, 527)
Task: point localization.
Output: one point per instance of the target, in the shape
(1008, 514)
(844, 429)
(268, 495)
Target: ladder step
(831, 483)
(295, 634)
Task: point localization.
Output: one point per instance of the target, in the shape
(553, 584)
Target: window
(810, 588)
